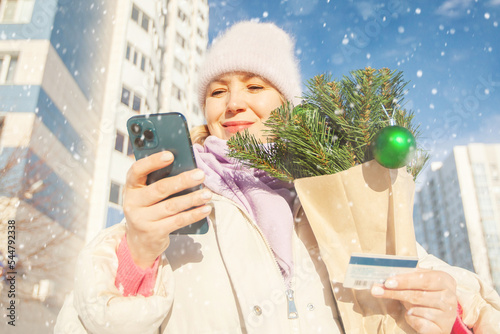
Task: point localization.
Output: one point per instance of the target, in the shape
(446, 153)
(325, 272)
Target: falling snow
(405, 52)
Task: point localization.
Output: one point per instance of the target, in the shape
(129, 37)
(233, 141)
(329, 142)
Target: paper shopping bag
(365, 209)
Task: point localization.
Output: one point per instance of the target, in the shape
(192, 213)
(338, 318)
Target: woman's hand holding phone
(150, 218)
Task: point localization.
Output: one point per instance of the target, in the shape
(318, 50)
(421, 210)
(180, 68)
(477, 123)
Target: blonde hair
(199, 134)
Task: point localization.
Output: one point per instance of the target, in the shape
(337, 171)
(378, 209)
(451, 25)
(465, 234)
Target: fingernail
(198, 175)
(377, 290)
(167, 156)
(391, 284)
(206, 194)
(206, 209)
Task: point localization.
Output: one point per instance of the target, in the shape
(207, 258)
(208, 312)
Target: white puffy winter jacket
(227, 281)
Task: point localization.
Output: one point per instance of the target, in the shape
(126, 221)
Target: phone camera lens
(135, 128)
(139, 142)
(148, 134)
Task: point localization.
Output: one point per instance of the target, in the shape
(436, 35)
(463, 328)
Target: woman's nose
(236, 102)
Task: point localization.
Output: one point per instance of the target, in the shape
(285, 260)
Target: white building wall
(480, 183)
(186, 42)
(32, 56)
(56, 116)
(472, 215)
(153, 84)
(100, 189)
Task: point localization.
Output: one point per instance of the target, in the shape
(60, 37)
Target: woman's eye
(217, 92)
(255, 87)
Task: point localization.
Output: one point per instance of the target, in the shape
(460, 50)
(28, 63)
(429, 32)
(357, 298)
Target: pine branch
(333, 128)
(255, 154)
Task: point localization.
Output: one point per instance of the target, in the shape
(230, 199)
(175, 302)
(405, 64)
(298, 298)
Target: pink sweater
(130, 278)
(133, 280)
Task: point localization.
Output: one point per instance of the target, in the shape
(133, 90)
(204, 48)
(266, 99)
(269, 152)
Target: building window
(11, 69)
(135, 103)
(177, 92)
(115, 193)
(145, 22)
(200, 33)
(125, 96)
(135, 14)
(130, 150)
(136, 55)
(181, 15)
(120, 139)
(8, 64)
(178, 65)
(199, 51)
(16, 11)
(127, 53)
(140, 18)
(180, 40)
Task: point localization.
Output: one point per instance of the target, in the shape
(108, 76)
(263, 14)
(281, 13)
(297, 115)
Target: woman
(258, 269)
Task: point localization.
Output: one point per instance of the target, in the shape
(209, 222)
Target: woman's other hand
(150, 218)
(429, 298)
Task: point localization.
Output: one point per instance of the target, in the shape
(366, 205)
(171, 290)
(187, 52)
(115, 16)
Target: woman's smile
(236, 126)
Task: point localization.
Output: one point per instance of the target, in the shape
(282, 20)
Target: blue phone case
(154, 133)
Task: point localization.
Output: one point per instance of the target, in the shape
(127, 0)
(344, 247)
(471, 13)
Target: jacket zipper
(292, 309)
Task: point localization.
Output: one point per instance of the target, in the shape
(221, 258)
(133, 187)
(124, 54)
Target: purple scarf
(267, 199)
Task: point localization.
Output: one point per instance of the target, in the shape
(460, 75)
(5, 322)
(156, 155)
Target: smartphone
(155, 133)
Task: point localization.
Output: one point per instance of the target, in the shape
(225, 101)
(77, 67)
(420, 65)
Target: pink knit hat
(259, 48)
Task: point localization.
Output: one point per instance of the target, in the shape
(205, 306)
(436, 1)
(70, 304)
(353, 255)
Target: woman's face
(238, 101)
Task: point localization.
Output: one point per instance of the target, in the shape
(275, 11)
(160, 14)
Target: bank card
(365, 269)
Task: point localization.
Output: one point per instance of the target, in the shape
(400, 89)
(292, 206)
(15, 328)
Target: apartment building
(54, 57)
(71, 74)
(457, 211)
(157, 52)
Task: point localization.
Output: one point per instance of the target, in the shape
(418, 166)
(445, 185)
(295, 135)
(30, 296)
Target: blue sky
(448, 50)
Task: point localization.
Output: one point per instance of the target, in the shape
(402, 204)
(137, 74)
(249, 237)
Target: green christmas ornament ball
(394, 146)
